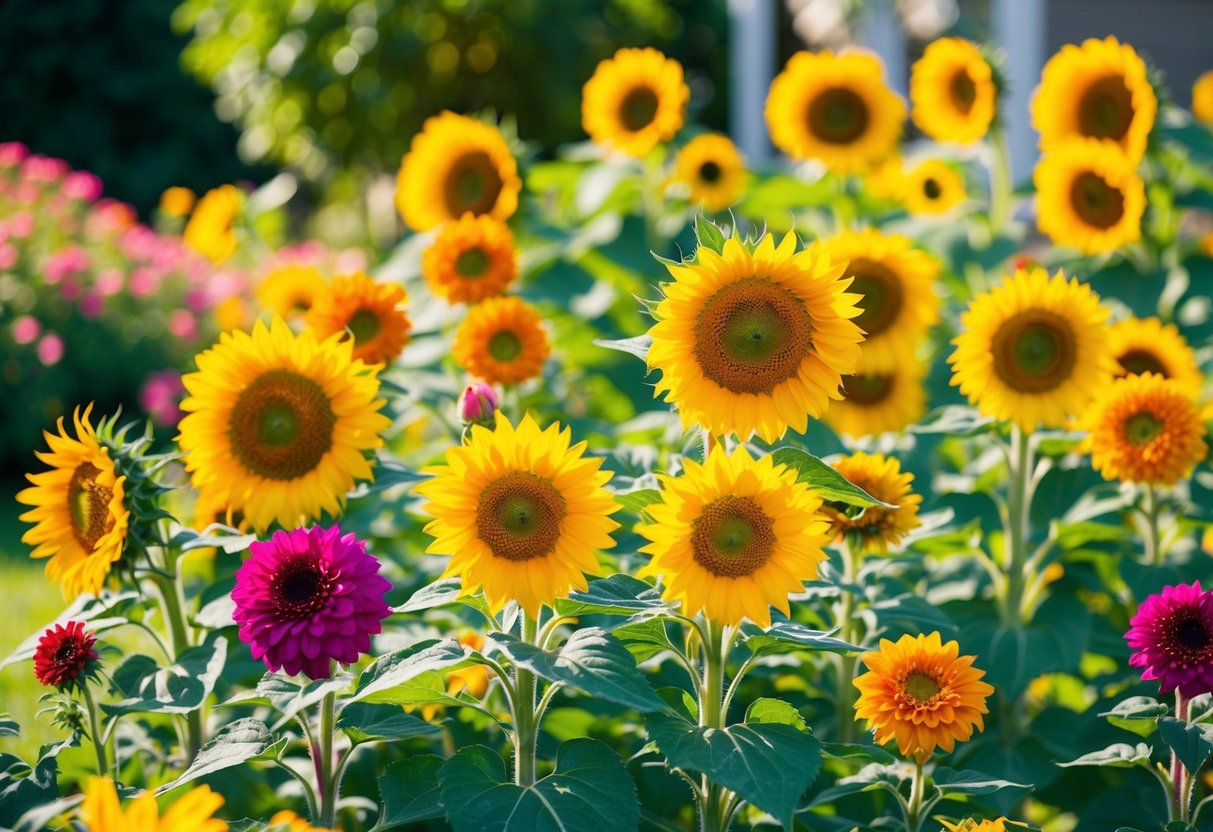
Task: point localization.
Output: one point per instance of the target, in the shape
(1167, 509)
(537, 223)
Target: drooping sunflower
(932, 187)
(502, 341)
(755, 341)
(922, 693)
(897, 284)
(456, 165)
(634, 101)
(1034, 350)
(521, 512)
(372, 313)
(1099, 90)
(79, 511)
(713, 168)
(471, 259)
(877, 528)
(1089, 196)
(879, 401)
(1202, 98)
(289, 291)
(835, 108)
(278, 425)
(101, 810)
(734, 537)
(209, 230)
(1147, 345)
(953, 92)
(1145, 428)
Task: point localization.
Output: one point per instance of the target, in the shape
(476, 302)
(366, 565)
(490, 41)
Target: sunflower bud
(477, 403)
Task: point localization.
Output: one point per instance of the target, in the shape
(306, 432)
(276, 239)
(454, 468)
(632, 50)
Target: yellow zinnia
(289, 291)
(372, 313)
(876, 528)
(932, 187)
(456, 165)
(521, 512)
(278, 425)
(755, 340)
(712, 167)
(502, 341)
(953, 91)
(79, 512)
(1089, 196)
(1033, 350)
(734, 537)
(101, 810)
(471, 259)
(835, 108)
(879, 401)
(1147, 345)
(1202, 98)
(209, 230)
(634, 101)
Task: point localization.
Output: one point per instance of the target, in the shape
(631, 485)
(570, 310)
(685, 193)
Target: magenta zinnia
(64, 655)
(1172, 639)
(307, 597)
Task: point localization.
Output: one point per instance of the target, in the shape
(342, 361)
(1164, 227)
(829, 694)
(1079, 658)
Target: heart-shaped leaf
(237, 742)
(394, 668)
(411, 791)
(180, 688)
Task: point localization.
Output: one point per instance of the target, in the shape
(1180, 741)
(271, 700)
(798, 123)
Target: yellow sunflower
(456, 165)
(1033, 350)
(471, 259)
(1202, 98)
(177, 201)
(974, 825)
(932, 187)
(713, 168)
(1145, 428)
(1099, 90)
(372, 313)
(634, 101)
(279, 425)
(755, 341)
(288, 821)
(881, 401)
(102, 812)
(897, 284)
(289, 291)
(1089, 196)
(79, 514)
(520, 512)
(886, 180)
(922, 693)
(734, 537)
(502, 341)
(835, 108)
(876, 529)
(953, 92)
(209, 230)
(1147, 345)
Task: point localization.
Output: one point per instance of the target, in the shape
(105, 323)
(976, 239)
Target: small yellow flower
(713, 168)
(177, 201)
(289, 291)
(1202, 98)
(209, 230)
(953, 91)
(634, 101)
(932, 187)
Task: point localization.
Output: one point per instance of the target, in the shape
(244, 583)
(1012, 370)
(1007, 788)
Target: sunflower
(1147, 345)
(876, 529)
(755, 341)
(932, 187)
(879, 401)
(1089, 196)
(953, 91)
(1034, 350)
(974, 825)
(456, 165)
(520, 512)
(209, 230)
(886, 180)
(79, 512)
(713, 168)
(634, 101)
(734, 537)
(896, 282)
(1100, 90)
(1202, 98)
(502, 341)
(835, 108)
(278, 425)
(1145, 428)
(101, 810)
(922, 693)
(471, 259)
(289, 291)
(372, 313)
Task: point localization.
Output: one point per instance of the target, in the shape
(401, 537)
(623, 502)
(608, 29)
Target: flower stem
(326, 783)
(94, 725)
(914, 809)
(525, 727)
(1180, 777)
(1019, 503)
(847, 631)
(1151, 538)
(179, 638)
(713, 814)
(1000, 183)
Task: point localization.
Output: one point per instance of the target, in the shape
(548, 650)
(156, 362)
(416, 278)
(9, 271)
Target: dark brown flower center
(882, 295)
(472, 263)
(300, 588)
(519, 516)
(638, 109)
(1105, 110)
(67, 651)
(931, 188)
(1139, 361)
(88, 506)
(1143, 428)
(838, 116)
(1095, 201)
(1034, 352)
(710, 172)
(365, 325)
(752, 335)
(867, 389)
(505, 345)
(920, 687)
(281, 425)
(733, 537)
(472, 184)
(963, 91)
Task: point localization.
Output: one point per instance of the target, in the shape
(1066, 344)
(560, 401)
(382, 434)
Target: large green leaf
(365, 722)
(236, 743)
(392, 669)
(1192, 744)
(590, 791)
(618, 594)
(971, 782)
(768, 764)
(180, 688)
(785, 636)
(830, 485)
(443, 593)
(1117, 755)
(288, 697)
(410, 791)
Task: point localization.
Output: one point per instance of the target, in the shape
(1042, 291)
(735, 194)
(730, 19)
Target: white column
(751, 67)
(1019, 27)
(880, 31)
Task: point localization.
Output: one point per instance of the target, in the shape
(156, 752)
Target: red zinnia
(64, 654)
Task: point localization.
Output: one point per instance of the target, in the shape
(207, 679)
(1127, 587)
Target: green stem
(327, 785)
(525, 727)
(1019, 502)
(847, 631)
(1154, 551)
(1180, 776)
(173, 606)
(712, 814)
(652, 203)
(1000, 183)
(94, 725)
(914, 809)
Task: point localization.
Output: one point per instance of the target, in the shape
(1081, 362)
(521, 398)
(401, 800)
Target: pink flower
(9, 255)
(309, 597)
(39, 168)
(50, 349)
(26, 329)
(69, 288)
(92, 304)
(183, 324)
(1172, 636)
(110, 281)
(144, 281)
(12, 153)
(478, 402)
(160, 395)
(21, 225)
(65, 262)
(82, 185)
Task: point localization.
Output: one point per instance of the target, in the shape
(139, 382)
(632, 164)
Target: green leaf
(236, 743)
(590, 791)
(830, 485)
(768, 765)
(180, 688)
(288, 697)
(767, 711)
(593, 661)
(1117, 755)
(365, 722)
(444, 593)
(1138, 707)
(9, 726)
(392, 669)
(638, 500)
(846, 750)
(708, 234)
(1191, 743)
(85, 608)
(971, 782)
(638, 346)
(410, 791)
(953, 420)
(786, 636)
(619, 594)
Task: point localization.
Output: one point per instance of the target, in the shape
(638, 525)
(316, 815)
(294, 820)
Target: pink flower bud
(478, 402)
(26, 329)
(50, 349)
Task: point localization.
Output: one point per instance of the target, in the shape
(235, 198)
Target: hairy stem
(525, 727)
(94, 726)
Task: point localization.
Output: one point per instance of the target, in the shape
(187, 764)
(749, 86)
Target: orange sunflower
(471, 259)
(373, 314)
(502, 341)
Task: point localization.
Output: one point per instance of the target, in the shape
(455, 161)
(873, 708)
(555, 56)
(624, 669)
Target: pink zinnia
(307, 597)
(1172, 636)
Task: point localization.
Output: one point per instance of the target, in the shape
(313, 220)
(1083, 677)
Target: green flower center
(733, 537)
(519, 516)
(1034, 352)
(88, 506)
(1105, 110)
(838, 116)
(472, 185)
(472, 263)
(365, 325)
(919, 687)
(638, 109)
(505, 345)
(1143, 428)
(1095, 201)
(281, 425)
(882, 295)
